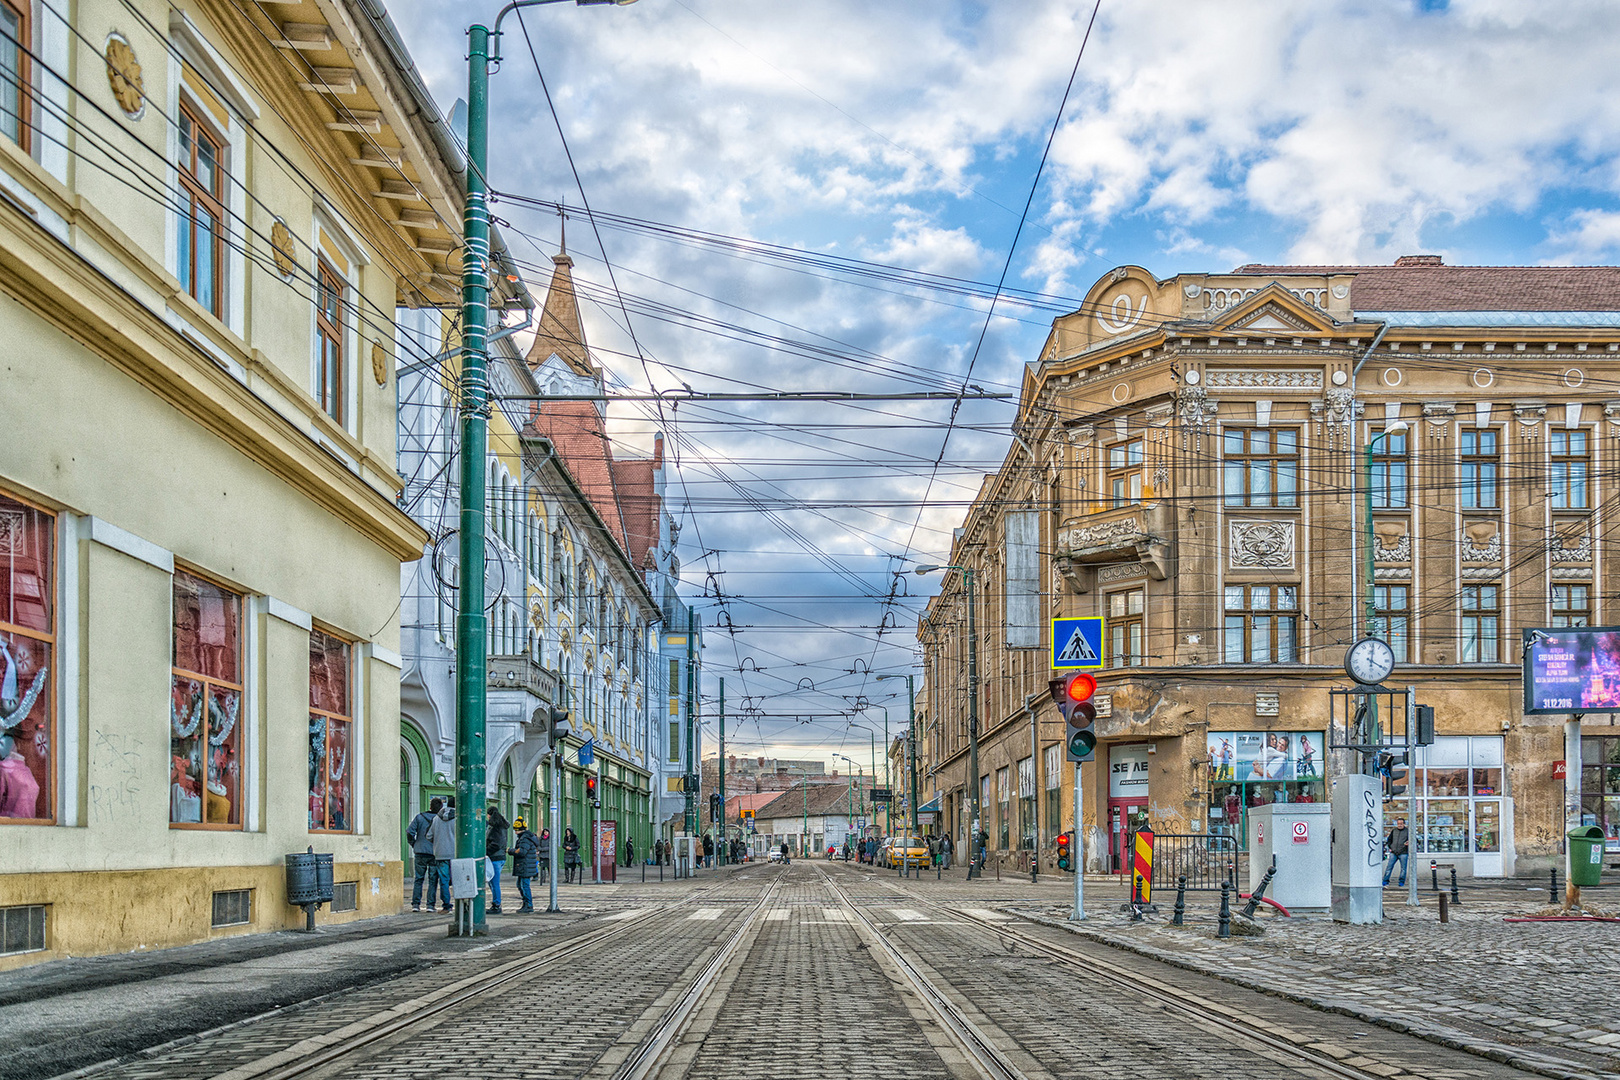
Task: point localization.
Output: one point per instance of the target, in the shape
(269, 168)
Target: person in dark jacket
(545, 855)
(416, 833)
(442, 831)
(1396, 845)
(629, 853)
(525, 863)
(570, 846)
(708, 850)
(495, 830)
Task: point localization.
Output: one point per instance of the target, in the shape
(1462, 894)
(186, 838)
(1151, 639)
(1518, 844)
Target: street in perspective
(715, 541)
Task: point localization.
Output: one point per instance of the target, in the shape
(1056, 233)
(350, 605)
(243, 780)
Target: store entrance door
(1487, 838)
(1125, 817)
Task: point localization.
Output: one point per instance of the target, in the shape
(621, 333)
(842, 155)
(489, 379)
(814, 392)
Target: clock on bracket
(1369, 661)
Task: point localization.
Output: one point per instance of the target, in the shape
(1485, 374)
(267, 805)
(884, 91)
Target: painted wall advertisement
(1260, 756)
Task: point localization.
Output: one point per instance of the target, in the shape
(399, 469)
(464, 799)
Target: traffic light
(1392, 766)
(716, 806)
(1064, 860)
(590, 791)
(1073, 694)
(554, 722)
(1423, 725)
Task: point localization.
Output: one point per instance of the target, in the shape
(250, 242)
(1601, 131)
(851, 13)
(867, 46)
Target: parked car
(910, 850)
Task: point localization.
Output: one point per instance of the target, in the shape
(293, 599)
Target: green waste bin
(1585, 855)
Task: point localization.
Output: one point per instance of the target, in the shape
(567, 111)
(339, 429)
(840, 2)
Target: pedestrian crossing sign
(1077, 643)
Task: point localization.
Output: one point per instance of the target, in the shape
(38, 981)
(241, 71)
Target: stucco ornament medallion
(379, 363)
(124, 76)
(282, 248)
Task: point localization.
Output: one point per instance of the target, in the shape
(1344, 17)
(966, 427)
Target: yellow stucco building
(209, 214)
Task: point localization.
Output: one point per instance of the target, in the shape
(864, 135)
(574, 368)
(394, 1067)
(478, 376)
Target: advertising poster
(1248, 748)
(1308, 755)
(1572, 670)
(607, 849)
(1260, 756)
(1223, 755)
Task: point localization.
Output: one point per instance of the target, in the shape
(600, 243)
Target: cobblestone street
(831, 971)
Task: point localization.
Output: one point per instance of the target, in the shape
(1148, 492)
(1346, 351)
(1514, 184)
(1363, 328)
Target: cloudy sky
(892, 146)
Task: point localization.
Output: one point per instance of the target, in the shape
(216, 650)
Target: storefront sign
(1560, 770)
(1128, 771)
(1254, 756)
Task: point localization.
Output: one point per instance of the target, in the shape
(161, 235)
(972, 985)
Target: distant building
(1194, 461)
(809, 818)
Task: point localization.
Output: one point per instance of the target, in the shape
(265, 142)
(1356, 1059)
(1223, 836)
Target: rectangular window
(1389, 470)
(27, 645)
(1568, 470)
(1260, 467)
(15, 100)
(205, 705)
(1003, 808)
(330, 723)
(1477, 465)
(1571, 605)
(22, 929)
(1481, 615)
(329, 292)
(233, 907)
(1026, 804)
(1125, 628)
(1052, 767)
(1125, 472)
(674, 735)
(201, 262)
(1390, 604)
(1262, 624)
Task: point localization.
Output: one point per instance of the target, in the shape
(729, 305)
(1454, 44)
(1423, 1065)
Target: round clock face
(1369, 661)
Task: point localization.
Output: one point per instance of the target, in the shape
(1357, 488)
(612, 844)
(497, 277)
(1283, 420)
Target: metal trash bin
(1585, 855)
(323, 877)
(302, 878)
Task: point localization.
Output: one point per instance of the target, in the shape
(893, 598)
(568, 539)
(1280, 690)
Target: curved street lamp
(973, 705)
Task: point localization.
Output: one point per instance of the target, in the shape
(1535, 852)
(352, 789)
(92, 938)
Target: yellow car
(907, 851)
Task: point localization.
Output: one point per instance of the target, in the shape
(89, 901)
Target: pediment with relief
(1275, 310)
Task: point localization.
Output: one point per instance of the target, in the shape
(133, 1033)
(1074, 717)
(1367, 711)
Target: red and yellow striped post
(1142, 864)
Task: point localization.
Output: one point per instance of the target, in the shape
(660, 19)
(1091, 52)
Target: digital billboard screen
(1572, 670)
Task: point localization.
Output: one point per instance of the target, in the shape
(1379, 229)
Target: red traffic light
(590, 787)
(1080, 687)
(1063, 840)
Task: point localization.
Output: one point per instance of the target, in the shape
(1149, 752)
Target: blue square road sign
(1077, 643)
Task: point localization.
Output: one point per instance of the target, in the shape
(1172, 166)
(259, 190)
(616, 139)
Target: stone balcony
(1139, 533)
(521, 673)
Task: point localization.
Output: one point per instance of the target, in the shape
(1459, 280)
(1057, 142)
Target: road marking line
(905, 914)
(632, 913)
(779, 915)
(986, 913)
(710, 913)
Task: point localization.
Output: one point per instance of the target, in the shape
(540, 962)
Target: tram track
(320, 1055)
(994, 1064)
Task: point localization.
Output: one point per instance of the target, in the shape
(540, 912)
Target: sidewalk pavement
(1535, 995)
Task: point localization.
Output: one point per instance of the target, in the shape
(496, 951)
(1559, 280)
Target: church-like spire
(560, 331)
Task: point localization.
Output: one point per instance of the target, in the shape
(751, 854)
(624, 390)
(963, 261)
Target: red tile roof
(1413, 285)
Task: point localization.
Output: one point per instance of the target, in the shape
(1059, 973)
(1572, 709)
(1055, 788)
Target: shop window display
(330, 723)
(27, 674)
(205, 705)
(1458, 784)
(1600, 786)
(1257, 768)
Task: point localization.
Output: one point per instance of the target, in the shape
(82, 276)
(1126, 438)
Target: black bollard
(1260, 890)
(1445, 908)
(1181, 901)
(1225, 929)
(1455, 899)
(1552, 887)
(1434, 876)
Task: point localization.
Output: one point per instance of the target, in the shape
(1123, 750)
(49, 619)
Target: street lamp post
(472, 659)
(1369, 761)
(973, 709)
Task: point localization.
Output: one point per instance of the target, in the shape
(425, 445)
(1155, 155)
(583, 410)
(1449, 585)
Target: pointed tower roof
(560, 330)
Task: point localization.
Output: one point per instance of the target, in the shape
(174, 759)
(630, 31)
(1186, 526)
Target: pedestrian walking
(708, 850)
(442, 834)
(629, 853)
(570, 847)
(786, 859)
(545, 855)
(946, 847)
(496, 828)
(984, 844)
(1396, 846)
(416, 834)
(658, 852)
(525, 863)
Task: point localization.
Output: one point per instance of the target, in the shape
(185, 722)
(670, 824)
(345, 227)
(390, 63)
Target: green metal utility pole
(720, 764)
(911, 745)
(471, 658)
(692, 770)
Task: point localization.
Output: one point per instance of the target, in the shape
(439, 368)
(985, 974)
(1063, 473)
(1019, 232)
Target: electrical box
(1358, 849)
(1300, 836)
(464, 879)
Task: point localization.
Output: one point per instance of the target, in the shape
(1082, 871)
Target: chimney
(1420, 260)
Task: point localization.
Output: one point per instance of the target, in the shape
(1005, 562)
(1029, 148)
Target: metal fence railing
(1205, 859)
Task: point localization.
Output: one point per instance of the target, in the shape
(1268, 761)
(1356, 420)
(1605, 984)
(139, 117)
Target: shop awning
(929, 807)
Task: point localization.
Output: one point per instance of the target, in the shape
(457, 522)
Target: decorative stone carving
(1242, 378)
(379, 363)
(1260, 545)
(282, 248)
(1571, 542)
(1530, 419)
(1392, 542)
(1120, 572)
(1572, 573)
(1194, 407)
(1482, 541)
(1108, 534)
(1339, 405)
(124, 76)
(1439, 414)
(1340, 292)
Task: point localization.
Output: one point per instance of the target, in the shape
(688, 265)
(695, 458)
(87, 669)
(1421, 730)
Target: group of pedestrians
(432, 836)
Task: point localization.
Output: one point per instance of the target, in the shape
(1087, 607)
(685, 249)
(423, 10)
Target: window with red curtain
(205, 705)
(331, 720)
(27, 662)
